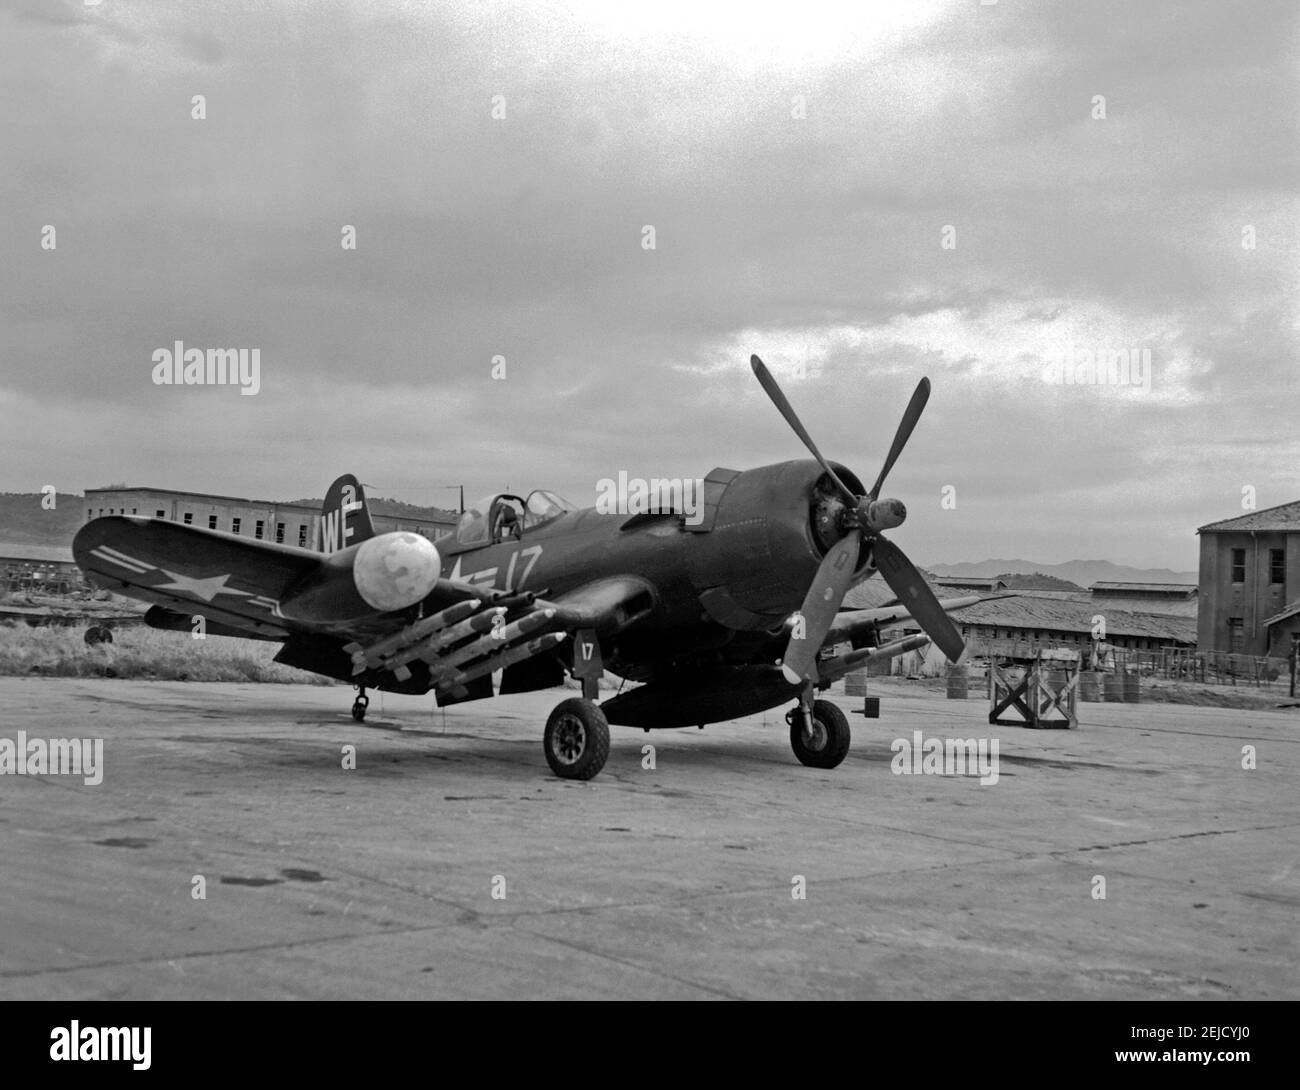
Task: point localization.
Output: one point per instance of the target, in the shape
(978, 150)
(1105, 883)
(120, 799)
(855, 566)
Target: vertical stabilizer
(344, 519)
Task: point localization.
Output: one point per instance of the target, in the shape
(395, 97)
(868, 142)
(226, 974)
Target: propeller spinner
(863, 518)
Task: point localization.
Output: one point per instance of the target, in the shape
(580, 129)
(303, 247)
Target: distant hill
(1037, 581)
(396, 509)
(23, 521)
(1083, 573)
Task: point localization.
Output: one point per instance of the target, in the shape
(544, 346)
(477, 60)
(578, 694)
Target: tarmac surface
(675, 881)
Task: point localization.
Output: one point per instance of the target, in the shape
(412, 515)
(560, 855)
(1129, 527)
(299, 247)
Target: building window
(212, 522)
(302, 537)
(257, 529)
(1236, 635)
(279, 533)
(189, 518)
(134, 510)
(90, 513)
(1276, 566)
(160, 514)
(234, 526)
(1238, 565)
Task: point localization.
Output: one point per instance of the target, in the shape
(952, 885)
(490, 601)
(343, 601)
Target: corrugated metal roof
(971, 581)
(874, 592)
(1290, 611)
(1184, 589)
(1285, 516)
(1051, 610)
(1056, 615)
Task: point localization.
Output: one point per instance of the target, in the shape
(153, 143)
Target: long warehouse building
(286, 523)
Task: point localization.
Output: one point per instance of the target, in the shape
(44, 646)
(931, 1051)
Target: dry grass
(140, 652)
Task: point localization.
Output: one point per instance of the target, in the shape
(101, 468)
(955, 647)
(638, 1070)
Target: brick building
(1249, 597)
(286, 523)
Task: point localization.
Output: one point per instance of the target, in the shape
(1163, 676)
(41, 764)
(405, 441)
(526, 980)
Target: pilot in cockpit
(507, 524)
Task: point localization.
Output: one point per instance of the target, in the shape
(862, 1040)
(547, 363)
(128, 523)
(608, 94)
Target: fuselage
(722, 588)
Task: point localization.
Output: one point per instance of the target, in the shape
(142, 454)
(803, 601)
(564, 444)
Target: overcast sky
(799, 163)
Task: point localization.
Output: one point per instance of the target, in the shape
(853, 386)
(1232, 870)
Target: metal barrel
(958, 680)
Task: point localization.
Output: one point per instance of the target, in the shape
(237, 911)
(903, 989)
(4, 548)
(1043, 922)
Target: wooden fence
(1168, 663)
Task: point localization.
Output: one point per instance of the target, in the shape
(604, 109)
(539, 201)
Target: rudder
(344, 517)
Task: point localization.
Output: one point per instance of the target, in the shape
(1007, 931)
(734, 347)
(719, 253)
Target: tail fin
(344, 519)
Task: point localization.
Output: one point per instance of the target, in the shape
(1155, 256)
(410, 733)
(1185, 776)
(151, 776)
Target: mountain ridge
(1082, 572)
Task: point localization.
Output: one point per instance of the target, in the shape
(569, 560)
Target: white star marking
(207, 589)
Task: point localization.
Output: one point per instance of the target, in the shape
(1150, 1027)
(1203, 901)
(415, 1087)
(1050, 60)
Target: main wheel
(359, 707)
(576, 739)
(828, 744)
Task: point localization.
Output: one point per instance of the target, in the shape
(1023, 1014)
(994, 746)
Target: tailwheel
(820, 739)
(360, 705)
(576, 739)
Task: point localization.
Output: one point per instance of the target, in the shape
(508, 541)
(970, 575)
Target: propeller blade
(820, 605)
(914, 408)
(913, 592)
(783, 407)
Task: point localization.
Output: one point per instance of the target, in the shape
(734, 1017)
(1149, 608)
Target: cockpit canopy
(503, 516)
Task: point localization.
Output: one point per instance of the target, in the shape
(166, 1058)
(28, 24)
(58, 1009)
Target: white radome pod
(396, 570)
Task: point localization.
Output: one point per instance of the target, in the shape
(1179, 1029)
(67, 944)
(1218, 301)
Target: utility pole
(462, 494)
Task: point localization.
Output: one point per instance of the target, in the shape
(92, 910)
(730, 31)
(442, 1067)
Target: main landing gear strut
(360, 705)
(576, 741)
(819, 731)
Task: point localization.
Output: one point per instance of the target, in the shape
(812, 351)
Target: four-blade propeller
(863, 519)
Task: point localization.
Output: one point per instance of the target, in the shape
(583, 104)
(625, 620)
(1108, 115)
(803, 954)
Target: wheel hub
(570, 740)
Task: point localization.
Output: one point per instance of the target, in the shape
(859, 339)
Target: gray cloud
(816, 237)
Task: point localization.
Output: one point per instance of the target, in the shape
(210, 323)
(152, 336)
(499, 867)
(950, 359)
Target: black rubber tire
(831, 736)
(94, 635)
(359, 709)
(576, 741)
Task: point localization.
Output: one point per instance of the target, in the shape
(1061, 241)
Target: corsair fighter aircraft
(712, 617)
